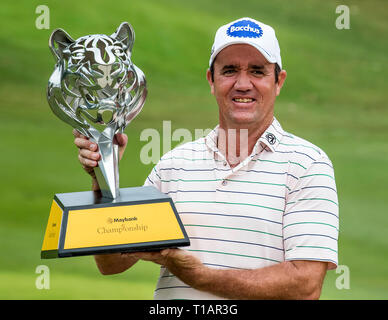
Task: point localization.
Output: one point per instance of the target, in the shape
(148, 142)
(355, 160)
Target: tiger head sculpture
(95, 87)
(97, 90)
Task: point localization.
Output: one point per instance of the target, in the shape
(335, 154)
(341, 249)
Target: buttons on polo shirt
(225, 163)
(224, 182)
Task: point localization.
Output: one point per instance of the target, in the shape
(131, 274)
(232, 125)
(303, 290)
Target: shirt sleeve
(154, 178)
(310, 220)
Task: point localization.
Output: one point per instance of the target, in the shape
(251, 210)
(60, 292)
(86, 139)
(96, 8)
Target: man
(261, 211)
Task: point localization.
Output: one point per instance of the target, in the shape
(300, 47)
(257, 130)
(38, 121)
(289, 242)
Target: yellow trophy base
(140, 219)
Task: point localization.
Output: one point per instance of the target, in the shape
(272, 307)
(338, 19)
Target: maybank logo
(245, 29)
(112, 220)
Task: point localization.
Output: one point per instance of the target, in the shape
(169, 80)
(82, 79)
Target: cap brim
(266, 55)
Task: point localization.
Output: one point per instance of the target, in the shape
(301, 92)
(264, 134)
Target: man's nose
(243, 82)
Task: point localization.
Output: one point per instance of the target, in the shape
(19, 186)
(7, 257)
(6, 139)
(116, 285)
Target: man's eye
(257, 72)
(228, 72)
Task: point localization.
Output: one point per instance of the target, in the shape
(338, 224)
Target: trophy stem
(107, 172)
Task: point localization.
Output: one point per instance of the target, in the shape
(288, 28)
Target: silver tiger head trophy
(97, 90)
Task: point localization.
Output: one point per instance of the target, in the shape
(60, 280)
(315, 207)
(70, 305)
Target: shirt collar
(273, 135)
(270, 138)
(211, 139)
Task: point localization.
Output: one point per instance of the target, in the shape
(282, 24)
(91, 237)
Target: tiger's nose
(106, 79)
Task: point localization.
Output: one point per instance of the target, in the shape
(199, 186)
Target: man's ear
(281, 78)
(210, 80)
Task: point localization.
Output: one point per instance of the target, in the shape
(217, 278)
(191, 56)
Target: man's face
(244, 87)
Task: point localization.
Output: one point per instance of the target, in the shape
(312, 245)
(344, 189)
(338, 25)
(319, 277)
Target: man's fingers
(121, 139)
(77, 134)
(173, 253)
(153, 256)
(149, 256)
(83, 143)
(87, 163)
(88, 153)
(178, 255)
(85, 153)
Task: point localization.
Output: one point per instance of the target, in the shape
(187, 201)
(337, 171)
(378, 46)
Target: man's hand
(182, 264)
(89, 155)
(286, 280)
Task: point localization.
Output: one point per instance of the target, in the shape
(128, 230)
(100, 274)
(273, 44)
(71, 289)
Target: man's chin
(248, 121)
(245, 120)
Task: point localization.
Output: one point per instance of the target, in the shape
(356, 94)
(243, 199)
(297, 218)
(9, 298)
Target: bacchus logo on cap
(244, 29)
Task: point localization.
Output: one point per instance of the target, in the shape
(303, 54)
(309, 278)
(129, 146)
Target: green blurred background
(335, 96)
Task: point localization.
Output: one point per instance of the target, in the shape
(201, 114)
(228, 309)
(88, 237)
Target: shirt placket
(224, 175)
(222, 172)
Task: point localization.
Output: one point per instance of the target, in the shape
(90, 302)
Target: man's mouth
(243, 100)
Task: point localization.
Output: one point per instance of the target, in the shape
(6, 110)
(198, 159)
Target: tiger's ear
(58, 42)
(126, 35)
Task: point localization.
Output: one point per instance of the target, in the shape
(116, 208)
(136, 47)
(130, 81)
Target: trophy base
(140, 219)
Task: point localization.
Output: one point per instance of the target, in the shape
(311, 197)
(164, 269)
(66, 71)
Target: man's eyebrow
(260, 67)
(229, 66)
(235, 66)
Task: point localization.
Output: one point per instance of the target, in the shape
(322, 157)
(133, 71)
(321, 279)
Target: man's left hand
(182, 264)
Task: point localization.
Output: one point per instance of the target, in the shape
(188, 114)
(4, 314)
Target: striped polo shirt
(279, 204)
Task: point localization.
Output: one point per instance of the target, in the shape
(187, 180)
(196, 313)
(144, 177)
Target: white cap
(248, 31)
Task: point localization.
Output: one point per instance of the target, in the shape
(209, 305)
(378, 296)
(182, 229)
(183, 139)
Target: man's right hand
(89, 155)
